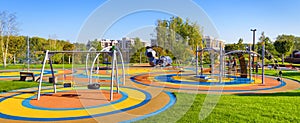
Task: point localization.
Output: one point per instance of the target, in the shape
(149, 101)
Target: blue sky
(232, 18)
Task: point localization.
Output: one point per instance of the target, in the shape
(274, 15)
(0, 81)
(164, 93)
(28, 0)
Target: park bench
(24, 75)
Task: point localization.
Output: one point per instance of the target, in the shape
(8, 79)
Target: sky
(233, 19)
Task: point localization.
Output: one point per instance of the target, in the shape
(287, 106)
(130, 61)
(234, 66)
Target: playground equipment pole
(263, 61)
(123, 66)
(201, 59)
(250, 64)
(112, 75)
(253, 45)
(41, 77)
(28, 50)
(86, 61)
(212, 58)
(197, 61)
(117, 74)
(221, 64)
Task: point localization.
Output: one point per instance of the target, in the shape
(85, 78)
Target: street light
(253, 45)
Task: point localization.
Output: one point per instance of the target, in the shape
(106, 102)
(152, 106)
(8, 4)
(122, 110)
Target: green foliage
(297, 43)
(179, 37)
(231, 47)
(139, 55)
(17, 49)
(240, 44)
(269, 46)
(284, 45)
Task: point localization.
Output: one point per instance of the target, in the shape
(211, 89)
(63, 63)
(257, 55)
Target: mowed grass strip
(6, 86)
(278, 107)
(295, 75)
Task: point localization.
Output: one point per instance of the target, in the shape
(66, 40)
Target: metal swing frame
(114, 52)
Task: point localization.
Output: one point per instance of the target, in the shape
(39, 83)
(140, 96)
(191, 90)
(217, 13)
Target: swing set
(111, 50)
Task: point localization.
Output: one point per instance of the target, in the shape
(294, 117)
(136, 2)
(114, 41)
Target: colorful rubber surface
(80, 104)
(187, 81)
(148, 92)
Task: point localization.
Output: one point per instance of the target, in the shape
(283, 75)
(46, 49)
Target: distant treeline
(17, 49)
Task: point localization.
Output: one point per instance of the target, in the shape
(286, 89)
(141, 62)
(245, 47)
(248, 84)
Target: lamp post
(253, 46)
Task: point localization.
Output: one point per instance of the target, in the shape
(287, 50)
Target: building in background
(124, 43)
(107, 42)
(154, 42)
(211, 42)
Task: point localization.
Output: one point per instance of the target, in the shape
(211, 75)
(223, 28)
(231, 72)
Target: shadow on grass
(292, 93)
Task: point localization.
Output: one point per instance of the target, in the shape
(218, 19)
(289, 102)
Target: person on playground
(234, 63)
(151, 54)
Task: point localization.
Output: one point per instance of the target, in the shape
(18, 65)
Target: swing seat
(202, 77)
(68, 84)
(94, 86)
(106, 62)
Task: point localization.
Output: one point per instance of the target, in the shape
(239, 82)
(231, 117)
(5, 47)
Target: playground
(120, 92)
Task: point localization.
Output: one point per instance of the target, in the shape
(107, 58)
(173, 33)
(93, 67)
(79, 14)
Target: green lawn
(285, 74)
(6, 86)
(278, 107)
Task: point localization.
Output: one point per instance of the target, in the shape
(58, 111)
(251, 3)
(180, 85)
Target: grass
(277, 107)
(286, 63)
(285, 74)
(6, 86)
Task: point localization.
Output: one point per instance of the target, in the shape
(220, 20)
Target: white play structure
(111, 50)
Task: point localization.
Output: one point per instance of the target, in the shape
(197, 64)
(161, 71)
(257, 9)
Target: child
(234, 63)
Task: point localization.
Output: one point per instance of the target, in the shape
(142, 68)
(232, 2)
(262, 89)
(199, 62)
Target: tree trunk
(243, 66)
(14, 59)
(4, 60)
(69, 59)
(282, 59)
(6, 50)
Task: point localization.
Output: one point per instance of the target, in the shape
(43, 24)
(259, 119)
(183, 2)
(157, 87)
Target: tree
(8, 27)
(284, 45)
(179, 37)
(16, 47)
(170, 31)
(137, 45)
(231, 47)
(269, 46)
(240, 44)
(297, 43)
(69, 47)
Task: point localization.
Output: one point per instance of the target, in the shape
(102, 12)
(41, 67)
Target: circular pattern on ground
(79, 104)
(189, 82)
